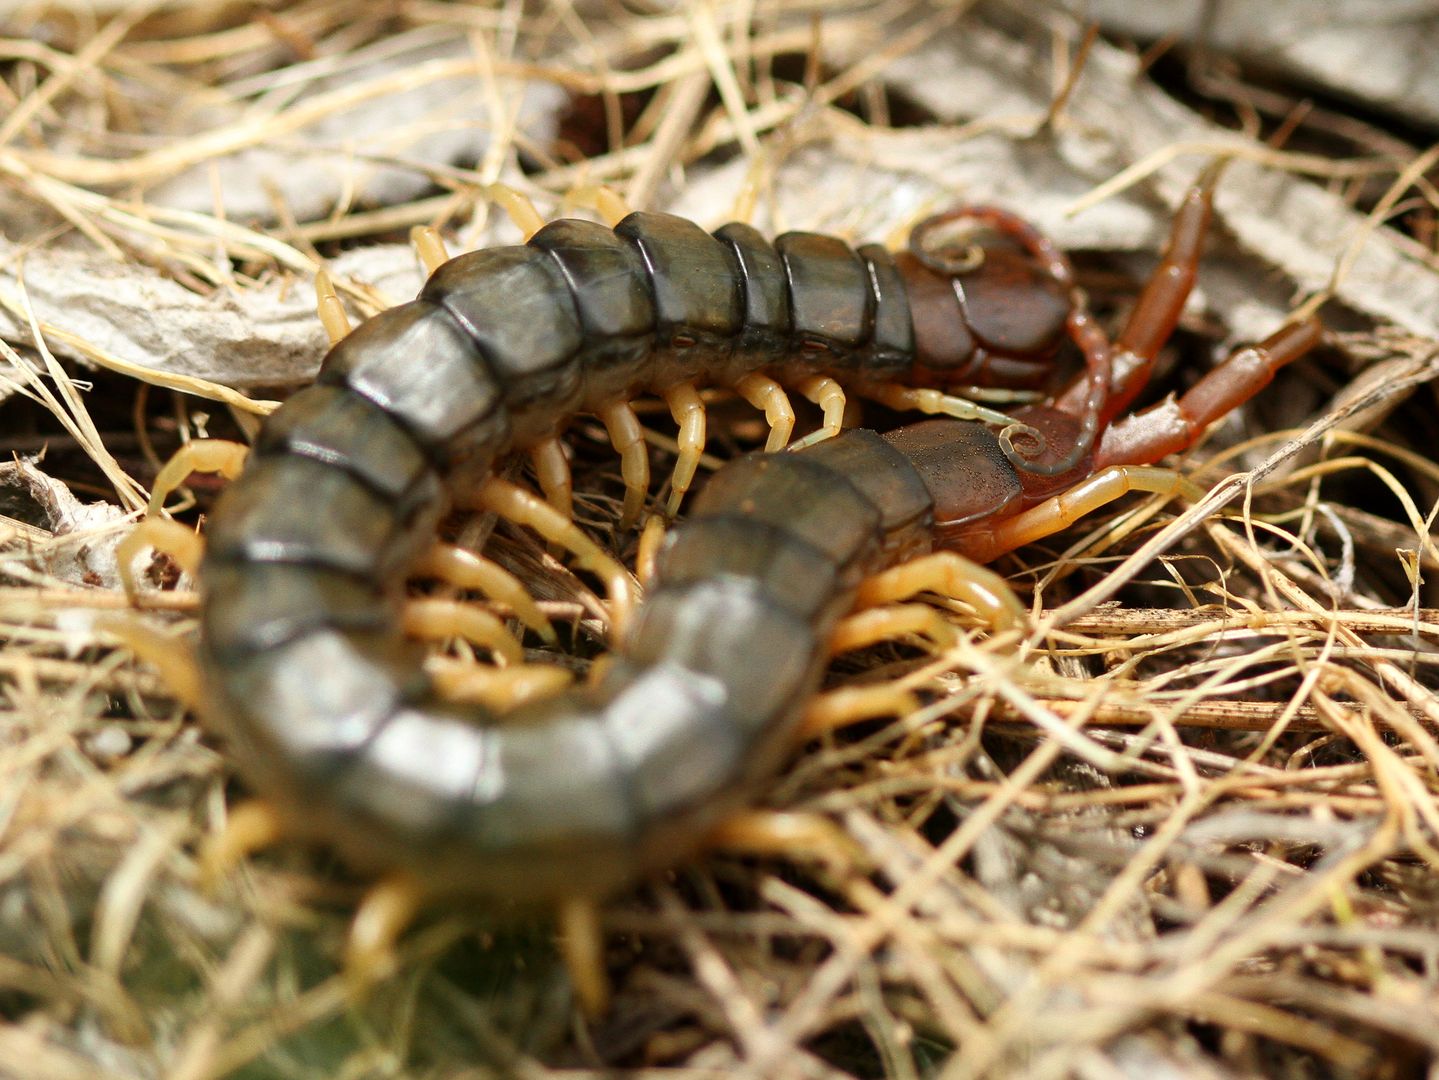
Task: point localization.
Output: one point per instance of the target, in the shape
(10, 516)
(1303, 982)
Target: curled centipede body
(305, 667)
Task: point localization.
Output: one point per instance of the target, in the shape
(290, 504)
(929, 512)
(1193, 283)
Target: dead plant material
(1192, 829)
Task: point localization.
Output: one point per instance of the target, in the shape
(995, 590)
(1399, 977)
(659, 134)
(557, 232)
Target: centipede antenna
(430, 246)
(328, 306)
(518, 206)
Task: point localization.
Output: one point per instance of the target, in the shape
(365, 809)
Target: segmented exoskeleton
(305, 665)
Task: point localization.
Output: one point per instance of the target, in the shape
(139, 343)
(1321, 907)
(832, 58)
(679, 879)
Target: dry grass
(1190, 826)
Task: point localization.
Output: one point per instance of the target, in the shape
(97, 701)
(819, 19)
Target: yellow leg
(522, 212)
(853, 705)
(249, 827)
(178, 541)
(440, 620)
(199, 455)
(689, 413)
(466, 570)
(603, 200)
(628, 438)
(386, 911)
(766, 833)
(878, 624)
(518, 505)
(1060, 512)
(829, 396)
(552, 470)
(948, 574)
(582, 945)
(651, 537)
(331, 311)
(167, 653)
(430, 246)
(497, 689)
(764, 393)
(934, 403)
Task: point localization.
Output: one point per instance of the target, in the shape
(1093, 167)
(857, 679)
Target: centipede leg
(830, 397)
(249, 827)
(1053, 515)
(628, 438)
(430, 247)
(605, 201)
(466, 570)
(948, 574)
(552, 470)
(328, 307)
(516, 504)
(651, 536)
(767, 833)
(498, 689)
(934, 403)
(878, 624)
(219, 456)
(439, 620)
(689, 413)
(582, 945)
(169, 655)
(765, 394)
(384, 913)
(177, 541)
(850, 705)
(517, 205)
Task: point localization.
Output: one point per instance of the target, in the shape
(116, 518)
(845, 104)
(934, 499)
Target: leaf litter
(1194, 833)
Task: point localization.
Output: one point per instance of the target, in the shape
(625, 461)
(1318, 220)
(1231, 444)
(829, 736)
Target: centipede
(308, 664)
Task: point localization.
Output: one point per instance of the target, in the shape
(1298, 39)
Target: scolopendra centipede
(304, 661)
